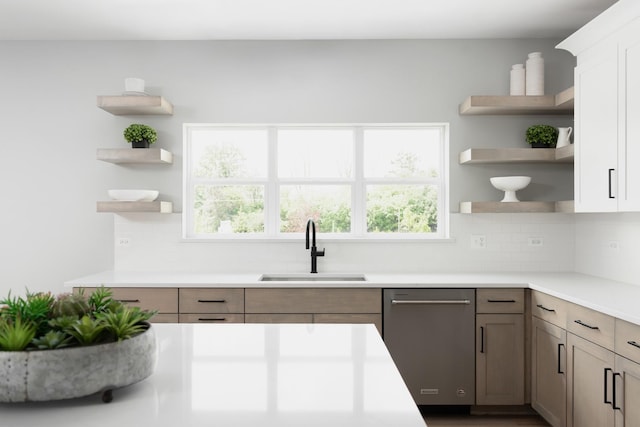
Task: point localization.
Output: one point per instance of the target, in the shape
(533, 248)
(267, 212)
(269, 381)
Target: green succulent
(542, 134)
(86, 330)
(70, 305)
(15, 335)
(138, 132)
(35, 308)
(125, 323)
(52, 339)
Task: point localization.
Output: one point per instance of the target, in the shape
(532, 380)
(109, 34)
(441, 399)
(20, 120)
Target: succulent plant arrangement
(140, 135)
(41, 321)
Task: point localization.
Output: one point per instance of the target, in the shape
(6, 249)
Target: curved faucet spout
(310, 243)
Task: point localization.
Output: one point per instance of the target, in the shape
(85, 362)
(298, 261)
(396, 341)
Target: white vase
(517, 80)
(563, 137)
(535, 74)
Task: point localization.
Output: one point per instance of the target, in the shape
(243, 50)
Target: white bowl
(133, 195)
(510, 184)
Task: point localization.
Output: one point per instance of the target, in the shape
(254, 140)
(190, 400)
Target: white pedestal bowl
(510, 184)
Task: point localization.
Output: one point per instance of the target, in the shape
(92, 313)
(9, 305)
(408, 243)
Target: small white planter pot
(66, 373)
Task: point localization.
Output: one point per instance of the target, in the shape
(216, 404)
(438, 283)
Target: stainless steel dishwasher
(430, 335)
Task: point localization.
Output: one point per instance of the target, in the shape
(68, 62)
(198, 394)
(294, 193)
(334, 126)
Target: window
(266, 181)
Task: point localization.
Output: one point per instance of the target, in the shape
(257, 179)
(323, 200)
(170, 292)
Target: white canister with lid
(517, 80)
(535, 74)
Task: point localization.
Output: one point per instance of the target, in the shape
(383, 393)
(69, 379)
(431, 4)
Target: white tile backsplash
(607, 245)
(156, 244)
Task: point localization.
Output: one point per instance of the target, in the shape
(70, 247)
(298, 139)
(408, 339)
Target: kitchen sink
(315, 277)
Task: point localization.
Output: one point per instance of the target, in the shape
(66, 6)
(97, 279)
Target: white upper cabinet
(607, 99)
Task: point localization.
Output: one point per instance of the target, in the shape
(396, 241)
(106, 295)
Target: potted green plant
(542, 136)
(71, 345)
(140, 136)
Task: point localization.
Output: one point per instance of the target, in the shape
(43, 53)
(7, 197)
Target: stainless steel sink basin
(308, 277)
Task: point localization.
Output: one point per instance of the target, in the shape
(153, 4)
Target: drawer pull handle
(633, 343)
(502, 300)
(212, 300)
(581, 323)
(606, 378)
(129, 300)
(615, 403)
(560, 347)
(431, 301)
(212, 319)
(542, 307)
(611, 196)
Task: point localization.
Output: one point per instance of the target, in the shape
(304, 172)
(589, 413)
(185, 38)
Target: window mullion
(272, 201)
(358, 195)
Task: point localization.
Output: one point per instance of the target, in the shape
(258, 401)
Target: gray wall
(50, 126)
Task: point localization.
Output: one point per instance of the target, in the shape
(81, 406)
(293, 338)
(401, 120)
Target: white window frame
(358, 185)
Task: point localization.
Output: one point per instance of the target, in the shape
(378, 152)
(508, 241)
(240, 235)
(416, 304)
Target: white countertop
(616, 299)
(249, 375)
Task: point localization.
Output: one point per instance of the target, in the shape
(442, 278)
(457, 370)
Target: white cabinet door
(596, 155)
(629, 142)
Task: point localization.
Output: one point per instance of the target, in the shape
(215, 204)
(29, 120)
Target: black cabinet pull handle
(212, 300)
(581, 323)
(560, 346)
(611, 196)
(212, 319)
(615, 405)
(129, 300)
(633, 343)
(502, 300)
(606, 377)
(481, 339)
(542, 307)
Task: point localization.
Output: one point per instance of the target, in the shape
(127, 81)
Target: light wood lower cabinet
(549, 371)
(163, 300)
(500, 346)
(500, 359)
(626, 398)
(211, 305)
(319, 305)
(590, 371)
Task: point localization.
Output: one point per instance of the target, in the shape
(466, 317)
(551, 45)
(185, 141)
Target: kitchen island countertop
(249, 375)
(611, 297)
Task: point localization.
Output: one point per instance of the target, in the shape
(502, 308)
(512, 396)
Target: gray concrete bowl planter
(66, 373)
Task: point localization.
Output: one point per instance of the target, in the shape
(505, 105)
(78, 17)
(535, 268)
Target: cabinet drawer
(551, 309)
(218, 300)
(165, 318)
(278, 318)
(500, 300)
(591, 325)
(627, 340)
(212, 318)
(313, 300)
(164, 300)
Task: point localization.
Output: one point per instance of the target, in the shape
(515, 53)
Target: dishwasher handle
(431, 301)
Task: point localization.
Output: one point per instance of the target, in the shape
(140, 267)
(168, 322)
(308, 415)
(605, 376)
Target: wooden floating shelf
(116, 206)
(134, 155)
(517, 155)
(516, 207)
(135, 105)
(562, 103)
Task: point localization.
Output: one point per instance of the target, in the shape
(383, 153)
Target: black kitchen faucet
(315, 253)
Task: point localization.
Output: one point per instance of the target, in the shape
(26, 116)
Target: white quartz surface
(249, 375)
(621, 300)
